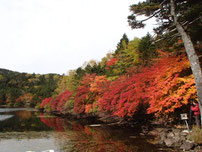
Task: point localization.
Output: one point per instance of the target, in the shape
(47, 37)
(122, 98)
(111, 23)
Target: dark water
(23, 130)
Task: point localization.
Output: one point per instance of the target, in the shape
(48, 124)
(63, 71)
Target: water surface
(23, 130)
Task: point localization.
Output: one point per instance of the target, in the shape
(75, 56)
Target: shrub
(19, 104)
(196, 135)
(38, 106)
(69, 105)
(47, 108)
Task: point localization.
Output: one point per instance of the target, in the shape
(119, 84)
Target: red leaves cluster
(63, 98)
(124, 95)
(111, 63)
(160, 85)
(165, 86)
(46, 101)
(83, 94)
(57, 104)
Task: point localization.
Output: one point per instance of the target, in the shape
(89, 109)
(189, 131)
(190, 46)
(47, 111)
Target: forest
(156, 74)
(24, 89)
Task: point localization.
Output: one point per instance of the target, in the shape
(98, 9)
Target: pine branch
(151, 16)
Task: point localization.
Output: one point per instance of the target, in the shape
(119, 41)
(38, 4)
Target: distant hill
(21, 88)
(5, 71)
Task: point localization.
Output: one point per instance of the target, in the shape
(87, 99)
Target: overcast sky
(54, 36)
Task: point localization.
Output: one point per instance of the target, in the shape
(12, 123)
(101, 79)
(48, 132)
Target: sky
(55, 36)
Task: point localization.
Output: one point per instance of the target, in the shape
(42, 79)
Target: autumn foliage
(24, 98)
(90, 90)
(58, 103)
(111, 62)
(83, 94)
(165, 86)
(162, 87)
(62, 99)
(45, 101)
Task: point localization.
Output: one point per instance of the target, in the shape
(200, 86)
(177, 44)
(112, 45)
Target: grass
(196, 135)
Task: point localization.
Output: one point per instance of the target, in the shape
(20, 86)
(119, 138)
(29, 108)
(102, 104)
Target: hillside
(18, 89)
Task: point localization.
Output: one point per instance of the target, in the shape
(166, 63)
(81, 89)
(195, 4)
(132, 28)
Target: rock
(177, 141)
(170, 135)
(161, 142)
(176, 132)
(184, 133)
(169, 142)
(159, 129)
(162, 136)
(142, 134)
(182, 138)
(153, 133)
(187, 145)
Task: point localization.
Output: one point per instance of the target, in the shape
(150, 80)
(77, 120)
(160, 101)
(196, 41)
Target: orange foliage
(166, 85)
(27, 97)
(99, 85)
(88, 108)
(172, 86)
(91, 89)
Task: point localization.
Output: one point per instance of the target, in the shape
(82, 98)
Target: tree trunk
(192, 56)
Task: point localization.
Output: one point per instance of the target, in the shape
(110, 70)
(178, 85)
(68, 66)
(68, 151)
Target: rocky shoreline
(175, 138)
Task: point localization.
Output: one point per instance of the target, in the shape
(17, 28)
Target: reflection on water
(21, 121)
(31, 131)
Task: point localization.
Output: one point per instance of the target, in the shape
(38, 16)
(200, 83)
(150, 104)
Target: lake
(27, 130)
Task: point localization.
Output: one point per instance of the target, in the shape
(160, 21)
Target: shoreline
(166, 136)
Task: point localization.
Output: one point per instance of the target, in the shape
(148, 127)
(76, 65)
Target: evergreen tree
(146, 49)
(122, 44)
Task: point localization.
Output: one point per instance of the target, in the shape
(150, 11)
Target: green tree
(146, 49)
(128, 57)
(15, 84)
(122, 44)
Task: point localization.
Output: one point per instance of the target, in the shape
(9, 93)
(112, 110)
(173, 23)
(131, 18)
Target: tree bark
(191, 53)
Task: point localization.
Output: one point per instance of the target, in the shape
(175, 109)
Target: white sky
(54, 36)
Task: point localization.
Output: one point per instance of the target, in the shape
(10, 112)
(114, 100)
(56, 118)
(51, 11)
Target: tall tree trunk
(193, 58)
